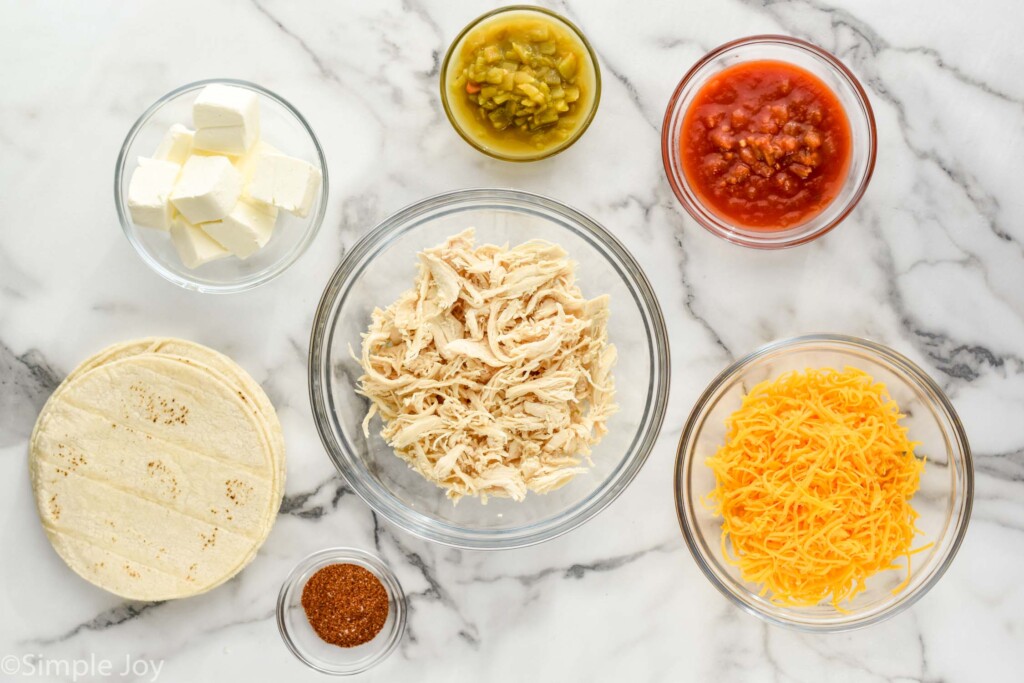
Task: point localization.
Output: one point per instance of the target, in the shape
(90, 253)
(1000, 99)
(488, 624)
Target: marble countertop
(931, 263)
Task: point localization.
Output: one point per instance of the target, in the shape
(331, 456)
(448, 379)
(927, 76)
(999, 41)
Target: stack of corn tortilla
(158, 468)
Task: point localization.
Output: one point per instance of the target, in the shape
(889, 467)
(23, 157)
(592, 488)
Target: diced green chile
(523, 82)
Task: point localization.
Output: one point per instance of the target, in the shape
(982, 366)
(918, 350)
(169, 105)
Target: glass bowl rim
(962, 448)
(315, 221)
(520, 8)
(750, 241)
(452, 535)
(335, 555)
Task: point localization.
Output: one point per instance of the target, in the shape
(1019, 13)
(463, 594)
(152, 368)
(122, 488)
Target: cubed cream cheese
(245, 230)
(207, 189)
(194, 246)
(225, 105)
(285, 182)
(246, 164)
(227, 119)
(225, 139)
(149, 192)
(176, 145)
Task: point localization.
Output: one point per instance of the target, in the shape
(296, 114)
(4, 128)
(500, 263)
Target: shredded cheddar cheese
(814, 485)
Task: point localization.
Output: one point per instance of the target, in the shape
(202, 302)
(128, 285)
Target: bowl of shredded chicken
(488, 369)
(492, 373)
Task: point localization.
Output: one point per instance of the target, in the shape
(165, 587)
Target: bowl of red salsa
(769, 141)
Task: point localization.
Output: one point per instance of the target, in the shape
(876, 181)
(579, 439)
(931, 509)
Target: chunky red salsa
(766, 145)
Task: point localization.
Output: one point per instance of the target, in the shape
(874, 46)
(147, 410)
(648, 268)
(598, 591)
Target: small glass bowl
(463, 127)
(303, 641)
(282, 126)
(383, 264)
(823, 65)
(943, 500)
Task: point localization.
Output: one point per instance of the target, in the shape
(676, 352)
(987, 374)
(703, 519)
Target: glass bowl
(464, 127)
(823, 65)
(282, 126)
(944, 499)
(303, 641)
(383, 264)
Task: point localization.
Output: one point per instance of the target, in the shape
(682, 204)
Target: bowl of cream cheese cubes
(220, 186)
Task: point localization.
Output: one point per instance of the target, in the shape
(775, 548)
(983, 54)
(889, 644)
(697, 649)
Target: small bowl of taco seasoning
(769, 141)
(341, 611)
(520, 83)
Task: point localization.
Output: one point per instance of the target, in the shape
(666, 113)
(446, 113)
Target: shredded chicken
(492, 375)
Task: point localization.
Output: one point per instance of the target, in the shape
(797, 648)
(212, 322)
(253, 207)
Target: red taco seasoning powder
(346, 605)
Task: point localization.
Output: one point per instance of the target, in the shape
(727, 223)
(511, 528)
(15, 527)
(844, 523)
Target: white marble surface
(931, 263)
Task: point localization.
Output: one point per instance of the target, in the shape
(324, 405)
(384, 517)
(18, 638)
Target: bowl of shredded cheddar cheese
(824, 483)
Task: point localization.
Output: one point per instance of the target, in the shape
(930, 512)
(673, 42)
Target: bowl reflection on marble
(943, 500)
(383, 264)
(280, 125)
(825, 67)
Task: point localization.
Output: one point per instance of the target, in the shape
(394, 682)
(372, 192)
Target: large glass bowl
(282, 126)
(828, 68)
(383, 264)
(943, 500)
